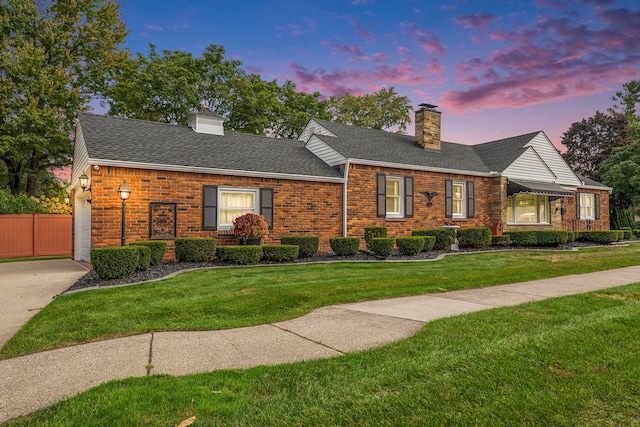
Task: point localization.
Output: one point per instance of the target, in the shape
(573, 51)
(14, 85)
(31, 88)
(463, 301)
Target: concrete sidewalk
(31, 382)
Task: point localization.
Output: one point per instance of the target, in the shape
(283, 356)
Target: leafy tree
(590, 141)
(55, 55)
(626, 101)
(162, 88)
(621, 171)
(380, 110)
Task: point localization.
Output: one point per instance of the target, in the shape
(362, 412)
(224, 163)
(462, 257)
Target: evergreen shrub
(345, 246)
(382, 246)
(474, 237)
(157, 247)
(411, 245)
(280, 253)
(115, 262)
(445, 237)
(371, 233)
(308, 244)
(241, 254)
(195, 249)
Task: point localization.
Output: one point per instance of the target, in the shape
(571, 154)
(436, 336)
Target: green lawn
(234, 297)
(570, 361)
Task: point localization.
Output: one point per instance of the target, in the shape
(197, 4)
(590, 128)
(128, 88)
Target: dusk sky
(494, 68)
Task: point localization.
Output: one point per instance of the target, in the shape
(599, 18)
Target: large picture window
(528, 209)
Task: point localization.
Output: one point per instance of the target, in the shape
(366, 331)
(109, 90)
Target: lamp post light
(124, 191)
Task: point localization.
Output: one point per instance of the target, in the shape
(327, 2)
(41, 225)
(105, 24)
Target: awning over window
(516, 187)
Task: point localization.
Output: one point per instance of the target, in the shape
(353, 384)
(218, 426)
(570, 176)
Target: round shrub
(241, 254)
(503, 240)
(523, 238)
(144, 260)
(604, 236)
(158, 249)
(411, 245)
(195, 249)
(382, 246)
(371, 233)
(429, 243)
(345, 246)
(474, 238)
(445, 237)
(280, 253)
(115, 262)
(308, 244)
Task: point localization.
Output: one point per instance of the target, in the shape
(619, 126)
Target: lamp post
(124, 191)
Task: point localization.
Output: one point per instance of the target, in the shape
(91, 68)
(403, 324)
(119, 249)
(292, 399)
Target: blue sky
(495, 68)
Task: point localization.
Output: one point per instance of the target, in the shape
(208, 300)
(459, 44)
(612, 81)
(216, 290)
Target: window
(528, 209)
(459, 199)
(233, 203)
(394, 196)
(586, 206)
(222, 205)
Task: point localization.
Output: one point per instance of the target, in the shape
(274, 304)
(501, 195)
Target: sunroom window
(528, 209)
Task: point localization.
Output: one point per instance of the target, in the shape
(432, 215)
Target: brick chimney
(428, 127)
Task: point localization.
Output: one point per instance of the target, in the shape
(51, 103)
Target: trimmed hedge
(571, 236)
(241, 254)
(346, 246)
(115, 262)
(371, 233)
(195, 249)
(445, 237)
(158, 249)
(539, 237)
(474, 237)
(429, 242)
(503, 240)
(382, 246)
(280, 253)
(144, 260)
(411, 245)
(308, 244)
(604, 236)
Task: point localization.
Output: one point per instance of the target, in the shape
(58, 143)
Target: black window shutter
(408, 197)
(577, 205)
(209, 207)
(448, 198)
(471, 205)
(382, 195)
(266, 205)
(596, 202)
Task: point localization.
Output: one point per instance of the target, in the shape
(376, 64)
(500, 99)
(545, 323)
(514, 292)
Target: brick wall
(362, 201)
(300, 207)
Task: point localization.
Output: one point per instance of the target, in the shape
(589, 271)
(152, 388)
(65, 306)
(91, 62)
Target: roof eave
(214, 171)
(421, 168)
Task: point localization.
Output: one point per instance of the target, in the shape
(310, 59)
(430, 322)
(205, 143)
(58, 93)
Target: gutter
(344, 199)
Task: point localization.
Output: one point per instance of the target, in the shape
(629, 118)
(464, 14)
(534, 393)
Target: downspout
(344, 199)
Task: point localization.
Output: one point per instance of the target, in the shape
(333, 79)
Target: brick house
(334, 180)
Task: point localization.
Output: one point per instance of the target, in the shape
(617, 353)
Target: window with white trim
(458, 199)
(233, 202)
(394, 197)
(528, 209)
(586, 206)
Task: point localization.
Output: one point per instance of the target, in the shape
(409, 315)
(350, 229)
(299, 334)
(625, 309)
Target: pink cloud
(556, 57)
(478, 20)
(294, 29)
(428, 40)
(155, 27)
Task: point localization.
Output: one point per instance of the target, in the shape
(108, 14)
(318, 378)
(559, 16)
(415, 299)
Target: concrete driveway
(26, 287)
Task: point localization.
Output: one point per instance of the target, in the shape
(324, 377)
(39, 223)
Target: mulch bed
(91, 279)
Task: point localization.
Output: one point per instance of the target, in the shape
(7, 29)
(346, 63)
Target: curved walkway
(34, 381)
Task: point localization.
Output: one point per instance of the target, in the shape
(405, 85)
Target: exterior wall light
(84, 181)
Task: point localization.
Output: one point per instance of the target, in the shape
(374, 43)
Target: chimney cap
(428, 106)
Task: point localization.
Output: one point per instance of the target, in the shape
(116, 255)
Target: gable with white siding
(552, 158)
(531, 167)
(313, 127)
(324, 152)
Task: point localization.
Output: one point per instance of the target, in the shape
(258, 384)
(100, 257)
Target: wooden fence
(35, 235)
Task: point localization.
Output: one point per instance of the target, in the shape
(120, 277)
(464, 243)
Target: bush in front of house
(571, 236)
(523, 238)
(144, 260)
(280, 253)
(429, 243)
(552, 237)
(382, 246)
(308, 244)
(411, 245)
(157, 247)
(628, 234)
(115, 262)
(503, 240)
(445, 237)
(474, 238)
(241, 254)
(345, 246)
(371, 233)
(599, 236)
(195, 249)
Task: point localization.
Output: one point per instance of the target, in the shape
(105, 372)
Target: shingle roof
(376, 145)
(145, 142)
(498, 155)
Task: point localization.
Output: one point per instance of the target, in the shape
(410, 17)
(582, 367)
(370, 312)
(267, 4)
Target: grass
(225, 298)
(562, 362)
